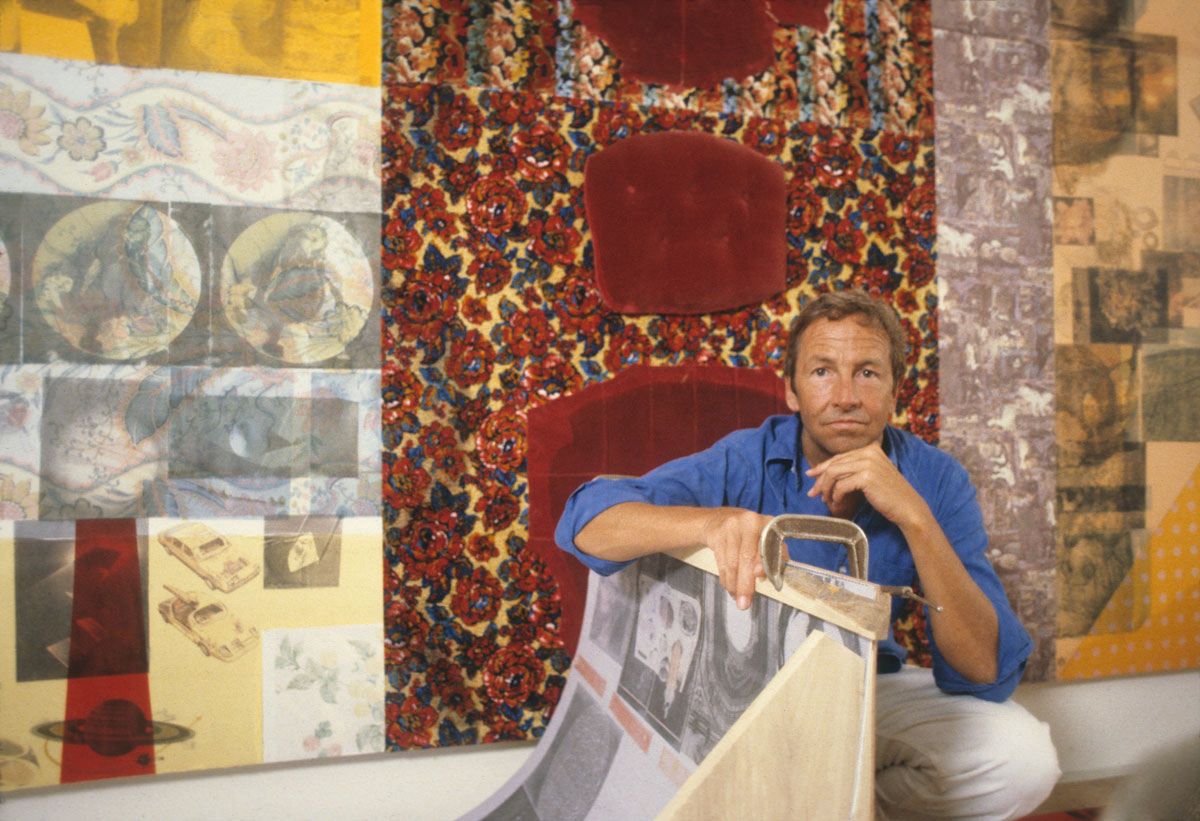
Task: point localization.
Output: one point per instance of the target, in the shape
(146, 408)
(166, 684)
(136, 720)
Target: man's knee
(960, 757)
(1027, 760)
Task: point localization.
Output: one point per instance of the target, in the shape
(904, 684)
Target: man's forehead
(826, 337)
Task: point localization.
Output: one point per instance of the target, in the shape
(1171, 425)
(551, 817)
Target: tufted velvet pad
(629, 425)
(685, 222)
(683, 43)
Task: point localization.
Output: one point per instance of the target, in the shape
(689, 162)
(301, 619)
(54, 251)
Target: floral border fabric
(491, 307)
(170, 136)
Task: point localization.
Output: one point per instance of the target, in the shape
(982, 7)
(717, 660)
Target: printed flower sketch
(322, 692)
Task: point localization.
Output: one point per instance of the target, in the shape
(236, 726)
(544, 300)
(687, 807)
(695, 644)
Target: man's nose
(845, 394)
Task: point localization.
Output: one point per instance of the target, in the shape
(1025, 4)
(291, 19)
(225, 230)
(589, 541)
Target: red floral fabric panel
(492, 309)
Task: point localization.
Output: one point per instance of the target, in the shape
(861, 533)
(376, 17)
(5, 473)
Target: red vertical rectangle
(107, 729)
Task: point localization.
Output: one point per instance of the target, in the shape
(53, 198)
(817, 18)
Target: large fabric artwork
(1126, 271)
(189, 444)
(491, 304)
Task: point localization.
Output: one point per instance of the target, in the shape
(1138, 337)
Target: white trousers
(944, 756)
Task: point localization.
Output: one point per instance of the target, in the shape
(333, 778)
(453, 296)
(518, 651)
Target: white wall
(1101, 727)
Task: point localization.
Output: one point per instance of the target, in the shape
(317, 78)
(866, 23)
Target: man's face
(842, 387)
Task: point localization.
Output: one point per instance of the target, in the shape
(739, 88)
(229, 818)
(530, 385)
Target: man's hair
(837, 305)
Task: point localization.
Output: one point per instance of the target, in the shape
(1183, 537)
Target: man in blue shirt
(938, 754)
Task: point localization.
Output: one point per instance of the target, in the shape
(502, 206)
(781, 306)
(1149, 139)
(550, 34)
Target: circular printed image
(297, 287)
(116, 279)
(115, 727)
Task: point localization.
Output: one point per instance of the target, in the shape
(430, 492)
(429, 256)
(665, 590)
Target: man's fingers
(747, 559)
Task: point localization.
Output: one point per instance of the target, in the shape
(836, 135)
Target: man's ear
(793, 401)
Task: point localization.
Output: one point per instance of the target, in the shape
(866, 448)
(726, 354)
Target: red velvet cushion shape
(685, 223)
(683, 43)
(629, 425)
(811, 13)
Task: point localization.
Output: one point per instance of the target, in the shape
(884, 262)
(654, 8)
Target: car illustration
(208, 622)
(210, 555)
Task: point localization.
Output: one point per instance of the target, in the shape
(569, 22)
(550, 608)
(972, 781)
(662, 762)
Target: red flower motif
(430, 206)
(431, 543)
(526, 333)
(477, 597)
(553, 376)
(402, 392)
(843, 241)
(461, 177)
(918, 268)
(835, 162)
(766, 136)
(500, 443)
(544, 614)
(512, 676)
(906, 301)
(409, 723)
(875, 216)
(677, 333)
(554, 240)
(441, 446)
(476, 311)
(391, 581)
(923, 413)
(495, 204)
(770, 346)
(509, 107)
(920, 211)
(471, 359)
(476, 651)
(878, 282)
(490, 273)
(400, 246)
(504, 730)
(629, 347)
(482, 546)
(499, 506)
(404, 483)
(899, 148)
(526, 571)
(579, 306)
(459, 124)
(422, 303)
(406, 631)
(445, 679)
(541, 153)
(616, 122)
(804, 206)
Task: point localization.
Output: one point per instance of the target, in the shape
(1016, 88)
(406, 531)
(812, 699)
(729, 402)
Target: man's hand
(966, 629)
(733, 533)
(634, 529)
(843, 480)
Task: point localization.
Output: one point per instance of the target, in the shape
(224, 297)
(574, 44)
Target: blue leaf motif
(161, 130)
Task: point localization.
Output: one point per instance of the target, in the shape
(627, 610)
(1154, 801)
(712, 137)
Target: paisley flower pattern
(491, 308)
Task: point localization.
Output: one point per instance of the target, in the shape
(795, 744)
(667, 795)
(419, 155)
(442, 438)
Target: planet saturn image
(115, 727)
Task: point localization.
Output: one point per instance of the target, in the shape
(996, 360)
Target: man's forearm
(630, 530)
(966, 631)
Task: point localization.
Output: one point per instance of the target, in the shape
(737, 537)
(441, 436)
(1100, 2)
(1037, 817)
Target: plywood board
(803, 749)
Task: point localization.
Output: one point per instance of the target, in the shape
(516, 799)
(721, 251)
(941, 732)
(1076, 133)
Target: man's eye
(820, 371)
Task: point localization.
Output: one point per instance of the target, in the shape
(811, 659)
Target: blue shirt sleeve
(704, 479)
(955, 505)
